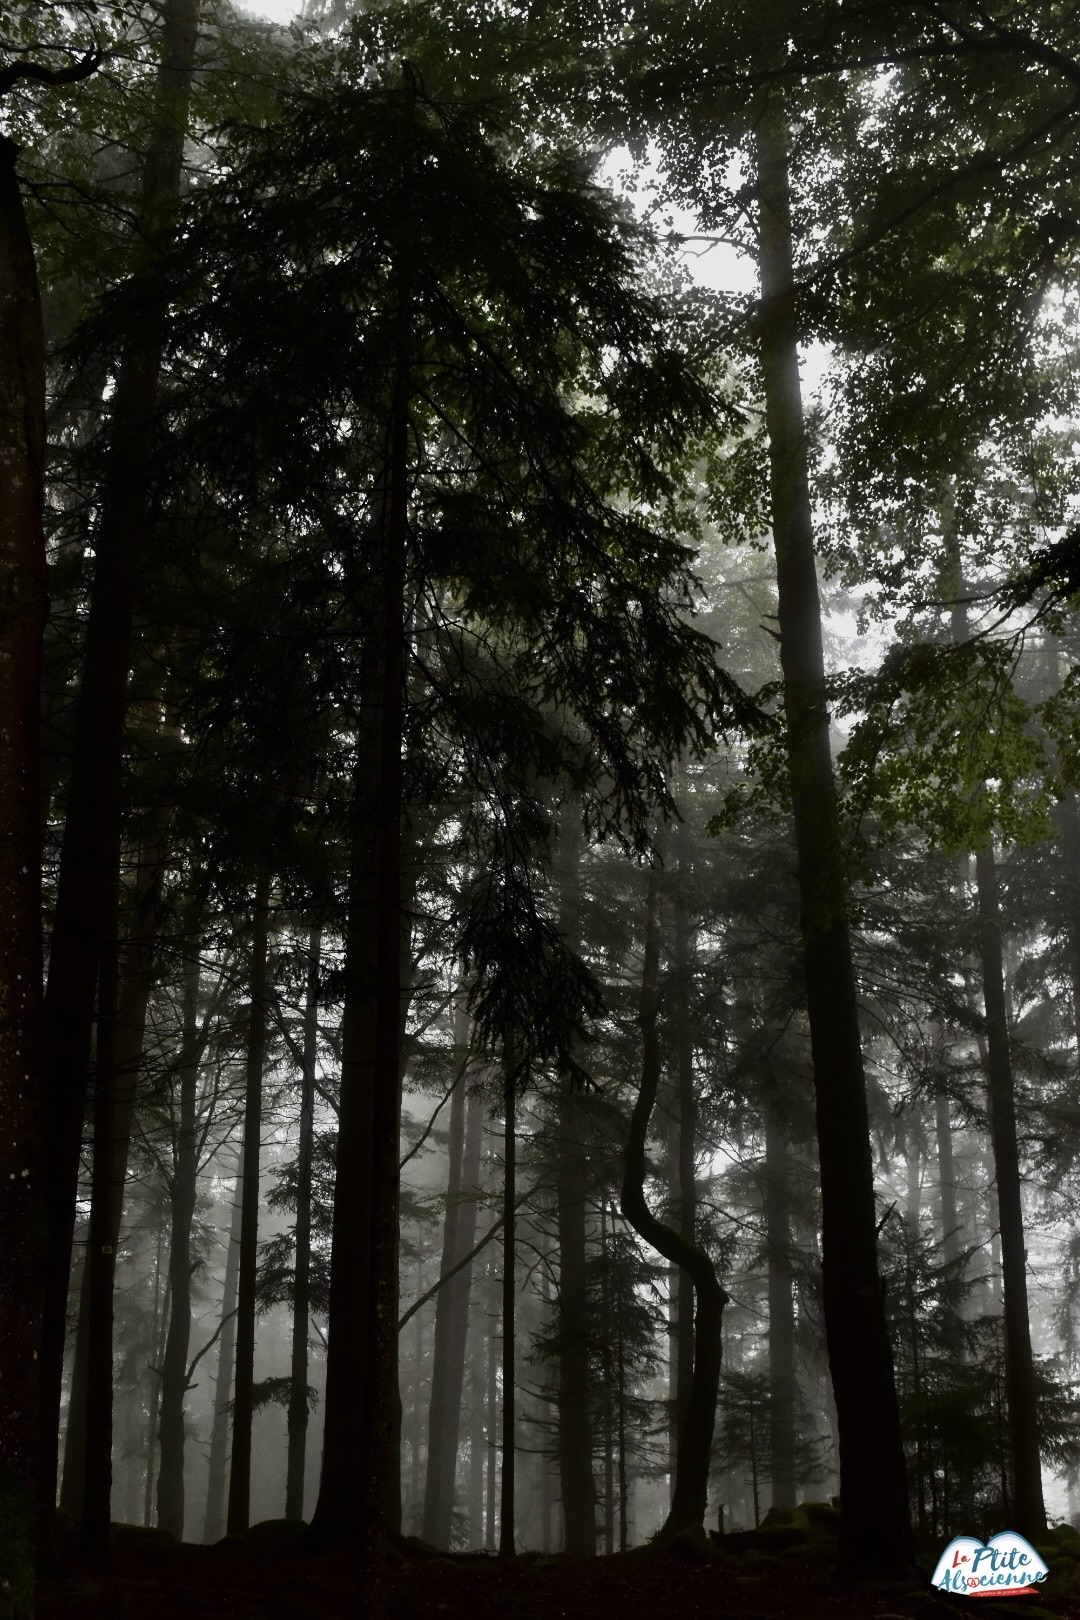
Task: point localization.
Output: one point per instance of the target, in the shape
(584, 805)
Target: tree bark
(951, 1234)
(574, 1394)
(1028, 1511)
(686, 1190)
(88, 874)
(690, 1497)
(452, 1306)
(506, 1504)
(875, 1532)
(101, 1259)
(575, 1431)
(182, 1192)
(781, 1313)
(298, 1391)
(126, 1043)
(214, 1521)
(23, 1161)
(360, 1399)
(244, 1377)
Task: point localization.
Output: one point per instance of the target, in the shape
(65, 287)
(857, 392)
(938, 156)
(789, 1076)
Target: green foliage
(944, 743)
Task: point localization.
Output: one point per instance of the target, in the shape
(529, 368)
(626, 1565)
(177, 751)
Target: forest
(539, 806)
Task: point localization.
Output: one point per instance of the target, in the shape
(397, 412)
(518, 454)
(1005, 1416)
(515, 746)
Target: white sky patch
(276, 11)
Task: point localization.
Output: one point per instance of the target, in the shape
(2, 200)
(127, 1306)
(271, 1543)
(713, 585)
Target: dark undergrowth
(269, 1576)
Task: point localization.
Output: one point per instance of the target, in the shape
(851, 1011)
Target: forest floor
(148, 1577)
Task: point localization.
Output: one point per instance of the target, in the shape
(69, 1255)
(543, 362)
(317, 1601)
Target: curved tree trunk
(690, 1497)
(875, 1532)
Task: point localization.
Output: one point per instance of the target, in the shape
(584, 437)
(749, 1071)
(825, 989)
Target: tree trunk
(609, 1307)
(452, 1306)
(575, 1437)
(491, 1437)
(23, 1162)
(687, 1131)
(101, 1259)
(690, 1497)
(160, 1335)
(875, 1532)
(506, 1514)
(298, 1391)
(126, 1043)
(951, 1231)
(781, 1312)
(360, 1398)
(1028, 1513)
(573, 1398)
(88, 875)
(182, 1190)
(240, 1471)
(214, 1521)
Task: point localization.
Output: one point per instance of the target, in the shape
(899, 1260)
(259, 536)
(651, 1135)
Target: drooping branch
(38, 73)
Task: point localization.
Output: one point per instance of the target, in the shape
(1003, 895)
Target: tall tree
(183, 1188)
(301, 1304)
(511, 1081)
(873, 1481)
(22, 1157)
(88, 873)
(452, 1301)
(243, 1393)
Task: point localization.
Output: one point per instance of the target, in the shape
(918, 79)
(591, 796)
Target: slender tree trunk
(491, 1439)
(452, 1306)
(506, 1516)
(575, 1437)
(695, 1438)
(573, 1398)
(23, 1162)
(781, 1312)
(875, 1530)
(687, 1128)
(240, 1471)
(160, 1336)
(183, 1188)
(126, 1043)
(609, 1308)
(214, 1521)
(101, 1259)
(1029, 1513)
(88, 873)
(951, 1234)
(477, 1451)
(298, 1391)
(338, 1511)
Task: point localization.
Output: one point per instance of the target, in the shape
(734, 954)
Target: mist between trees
(546, 1038)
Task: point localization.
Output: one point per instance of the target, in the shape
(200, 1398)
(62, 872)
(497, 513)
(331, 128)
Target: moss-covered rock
(277, 1535)
(692, 1544)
